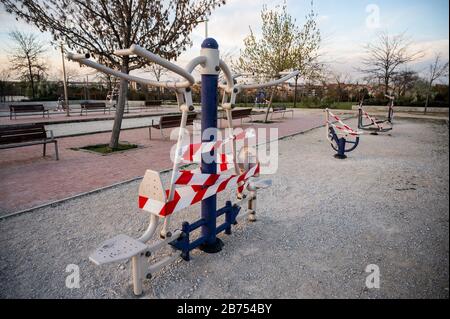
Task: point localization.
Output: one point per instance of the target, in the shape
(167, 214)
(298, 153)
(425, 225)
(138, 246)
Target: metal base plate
(212, 248)
(340, 156)
(261, 183)
(117, 249)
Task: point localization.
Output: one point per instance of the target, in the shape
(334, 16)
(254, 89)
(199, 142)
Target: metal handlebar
(185, 73)
(143, 53)
(273, 83)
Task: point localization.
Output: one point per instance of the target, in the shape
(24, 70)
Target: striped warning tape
(344, 128)
(197, 187)
(372, 119)
(193, 153)
(193, 186)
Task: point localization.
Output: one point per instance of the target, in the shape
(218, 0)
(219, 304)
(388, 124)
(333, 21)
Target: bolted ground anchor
(212, 248)
(339, 156)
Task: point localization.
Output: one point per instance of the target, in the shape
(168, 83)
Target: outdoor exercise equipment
(373, 124)
(340, 135)
(219, 169)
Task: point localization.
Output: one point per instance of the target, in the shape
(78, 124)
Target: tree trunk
(120, 108)
(426, 102)
(31, 79)
(270, 105)
(145, 88)
(386, 85)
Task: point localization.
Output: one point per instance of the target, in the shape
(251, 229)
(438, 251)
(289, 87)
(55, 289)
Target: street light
(206, 26)
(66, 98)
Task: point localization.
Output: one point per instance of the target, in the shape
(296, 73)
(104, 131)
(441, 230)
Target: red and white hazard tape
(195, 186)
(372, 119)
(193, 153)
(344, 129)
(198, 187)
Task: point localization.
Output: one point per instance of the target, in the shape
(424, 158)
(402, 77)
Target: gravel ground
(319, 226)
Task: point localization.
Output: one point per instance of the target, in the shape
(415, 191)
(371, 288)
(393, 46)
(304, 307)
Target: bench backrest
(88, 105)
(279, 108)
(22, 133)
(241, 113)
(26, 107)
(175, 120)
(153, 103)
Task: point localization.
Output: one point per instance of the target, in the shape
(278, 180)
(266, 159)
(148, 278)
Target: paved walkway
(60, 117)
(28, 180)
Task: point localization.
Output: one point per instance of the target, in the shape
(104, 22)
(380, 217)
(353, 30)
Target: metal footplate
(117, 249)
(260, 184)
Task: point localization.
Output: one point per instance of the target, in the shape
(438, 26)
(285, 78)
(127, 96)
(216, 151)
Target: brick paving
(28, 180)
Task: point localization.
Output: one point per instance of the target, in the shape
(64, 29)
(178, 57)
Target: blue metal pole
(210, 78)
(341, 149)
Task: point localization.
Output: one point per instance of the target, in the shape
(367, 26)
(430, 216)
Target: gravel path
(319, 226)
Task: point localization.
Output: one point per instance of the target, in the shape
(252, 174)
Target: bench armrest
(51, 134)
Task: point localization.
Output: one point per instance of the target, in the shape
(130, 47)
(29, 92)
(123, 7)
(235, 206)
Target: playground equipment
(341, 135)
(218, 169)
(373, 124)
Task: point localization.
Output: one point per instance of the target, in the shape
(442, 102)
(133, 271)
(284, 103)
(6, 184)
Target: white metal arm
(269, 84)
(83, 60)
(228, 77)
(139, 51)
(135, 49)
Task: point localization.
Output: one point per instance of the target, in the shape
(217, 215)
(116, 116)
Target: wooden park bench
(88, 106)
(27, 108)
(170, 121)
(241, 114)
(153, 104)
(281, 110)
(237, 114)
(12, 136)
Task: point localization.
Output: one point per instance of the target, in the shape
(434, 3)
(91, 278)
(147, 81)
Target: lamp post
(66, 98)
(206, 27)
(295, 91)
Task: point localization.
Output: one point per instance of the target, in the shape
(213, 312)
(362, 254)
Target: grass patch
(105, 149)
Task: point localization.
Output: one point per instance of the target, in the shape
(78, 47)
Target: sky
(346, 27)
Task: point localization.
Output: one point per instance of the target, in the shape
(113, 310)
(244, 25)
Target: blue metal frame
(341, 143)
(185, 244)
(208, 241)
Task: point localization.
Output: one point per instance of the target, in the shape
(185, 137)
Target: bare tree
(386, 55)
(283, 46)
(437, 70)
(158, 72)
(404, 81)
(26, 58)
(340, 80)
(102, 26)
